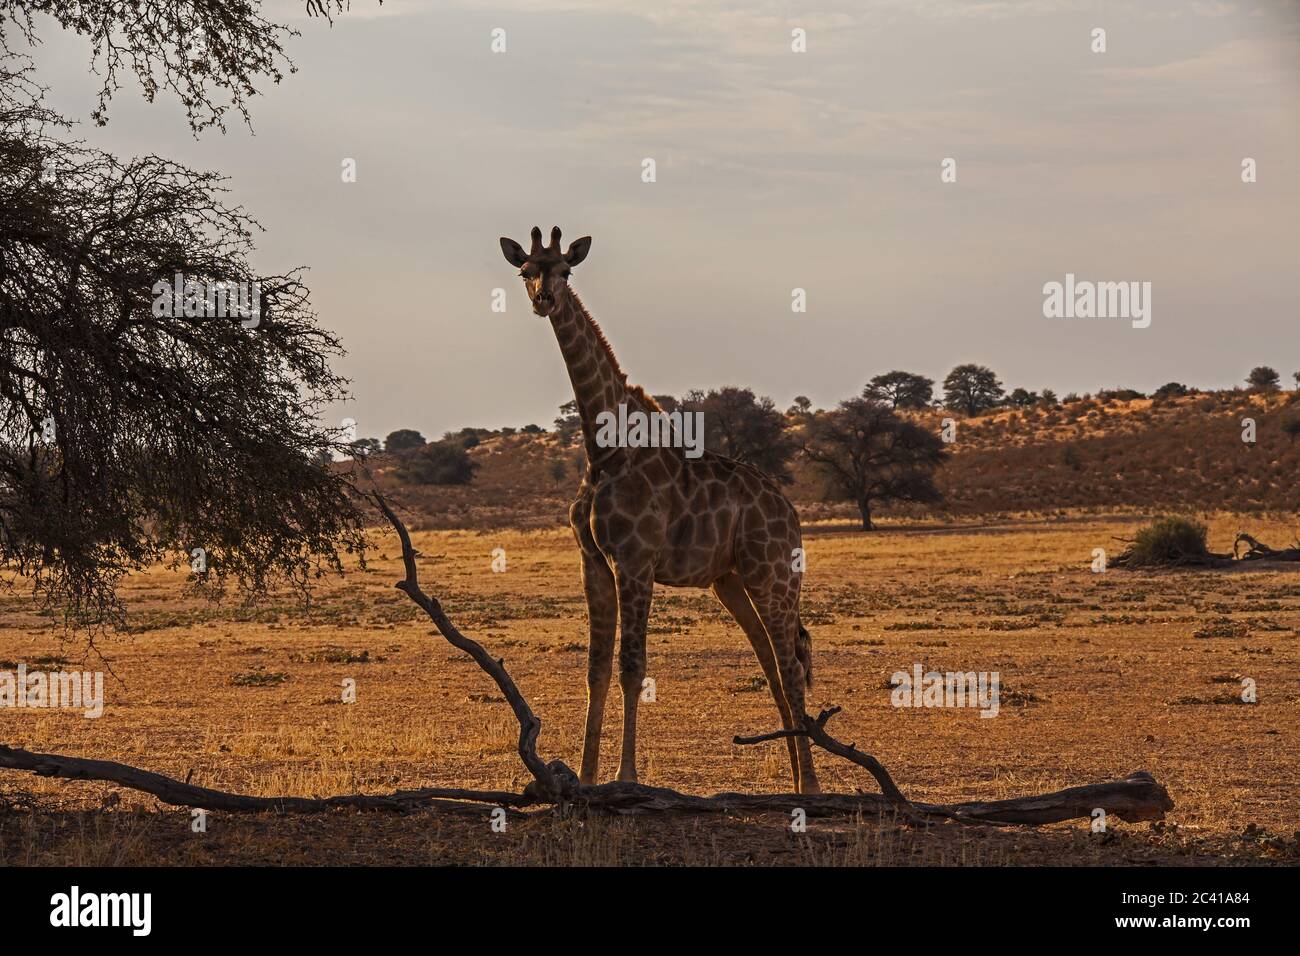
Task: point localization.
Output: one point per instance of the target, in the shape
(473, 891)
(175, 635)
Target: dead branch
(530, 725)
(1255, 551)
(1136, 797)
(815, 730)
(182, 794)
(1258, 551)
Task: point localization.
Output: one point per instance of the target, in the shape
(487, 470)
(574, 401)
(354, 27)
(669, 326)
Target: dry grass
(1102, 674)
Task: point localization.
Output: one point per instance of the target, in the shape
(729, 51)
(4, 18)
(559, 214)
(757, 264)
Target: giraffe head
(545, 269)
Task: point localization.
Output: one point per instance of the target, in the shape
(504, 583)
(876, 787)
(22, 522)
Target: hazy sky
(776, 170)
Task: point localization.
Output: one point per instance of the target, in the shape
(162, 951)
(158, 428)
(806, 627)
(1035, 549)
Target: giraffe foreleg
(602, 623)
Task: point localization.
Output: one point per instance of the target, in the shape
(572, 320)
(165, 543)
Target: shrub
(1169, 541)
(403, 439)
(440, 463)
(1119, 394)
(1170, 390)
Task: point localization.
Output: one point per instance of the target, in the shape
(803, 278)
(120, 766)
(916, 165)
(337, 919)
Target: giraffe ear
(577, 250)
(513, 251)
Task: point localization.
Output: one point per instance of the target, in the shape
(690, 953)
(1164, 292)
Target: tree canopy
(742, 426)
(138, 422)
(901, 389)
(866, 453)
(972, 389)
(211, 54)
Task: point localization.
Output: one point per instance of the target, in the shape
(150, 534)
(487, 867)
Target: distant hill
(1180, 454)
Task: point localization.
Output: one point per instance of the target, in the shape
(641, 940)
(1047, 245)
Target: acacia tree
(972, 389)
(865, 453)
(404, 439)
(134, 428)
(210, 54)
(744, 427)
(1264, 379)
(901, 389)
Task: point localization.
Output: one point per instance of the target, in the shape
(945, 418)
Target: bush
(1169, 541)
(1171, 390)
(440, 463)
(1119, 394)
(404, 439)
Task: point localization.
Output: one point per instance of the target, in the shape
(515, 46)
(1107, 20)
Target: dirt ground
(1101, 674)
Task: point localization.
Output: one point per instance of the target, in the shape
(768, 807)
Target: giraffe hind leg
(776, 599)
(731, 593)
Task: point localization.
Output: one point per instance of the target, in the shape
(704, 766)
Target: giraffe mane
(636, 391)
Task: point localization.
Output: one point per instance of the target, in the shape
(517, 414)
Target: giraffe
(651, 515)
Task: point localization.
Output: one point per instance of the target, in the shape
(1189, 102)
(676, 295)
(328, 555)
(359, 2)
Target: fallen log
(1258, 551)
(183, 794)
(1135, 798)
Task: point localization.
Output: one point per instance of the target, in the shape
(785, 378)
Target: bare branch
(530, 725)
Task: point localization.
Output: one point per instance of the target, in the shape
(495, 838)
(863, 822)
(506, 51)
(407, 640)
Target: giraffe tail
(803, 651)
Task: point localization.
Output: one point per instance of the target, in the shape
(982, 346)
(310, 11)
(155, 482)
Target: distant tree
(1263, 378)
(1296, 377)
(365, 447)
(559, 470)
(1119, 394)
(402, 440)
(972, 389)
(802, 406)
(901, 389)
(741, 426)
(1048, 398)
(1291, 427)
(532, 429)
(438, 463)
(1021, 398)
(1170, 390)
(568, 423)
(864, 452)
(468, 438)
(667, 402)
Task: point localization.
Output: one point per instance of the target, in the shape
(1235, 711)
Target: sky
(775, 170)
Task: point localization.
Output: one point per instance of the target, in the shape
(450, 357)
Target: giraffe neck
(599, 385)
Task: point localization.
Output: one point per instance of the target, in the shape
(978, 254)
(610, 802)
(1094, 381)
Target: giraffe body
(647, 516)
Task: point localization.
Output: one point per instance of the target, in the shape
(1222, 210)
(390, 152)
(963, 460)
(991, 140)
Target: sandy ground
(1101, 674)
